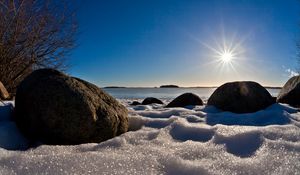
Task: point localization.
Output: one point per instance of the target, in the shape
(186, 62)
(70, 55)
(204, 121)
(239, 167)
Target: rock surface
(57, 109)
(241, 97)
(290, 93)
(3, 92)
(185, 99)
(151, 100)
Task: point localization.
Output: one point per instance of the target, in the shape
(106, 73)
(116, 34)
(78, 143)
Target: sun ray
(211, 48)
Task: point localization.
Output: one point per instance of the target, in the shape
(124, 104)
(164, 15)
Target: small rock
(134, 103)
(151, 100)
(4, 95)
(185, 99)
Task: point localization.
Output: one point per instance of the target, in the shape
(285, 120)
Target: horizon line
(267, 86)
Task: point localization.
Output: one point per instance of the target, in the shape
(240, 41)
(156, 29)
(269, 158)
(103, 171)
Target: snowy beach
(207, 87)
(192, 140)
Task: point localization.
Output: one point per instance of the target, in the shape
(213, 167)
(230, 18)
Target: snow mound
(6, 111)
(273, 115)
(197, 140)
(10, 136)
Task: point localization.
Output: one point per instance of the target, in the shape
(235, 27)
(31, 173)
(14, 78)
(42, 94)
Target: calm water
(164, 93)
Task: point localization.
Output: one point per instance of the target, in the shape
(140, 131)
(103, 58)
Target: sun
(226, 57)
(226, 52)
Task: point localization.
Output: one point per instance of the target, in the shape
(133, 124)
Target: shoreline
(200, 87)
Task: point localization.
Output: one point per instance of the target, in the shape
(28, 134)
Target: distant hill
(169, 86)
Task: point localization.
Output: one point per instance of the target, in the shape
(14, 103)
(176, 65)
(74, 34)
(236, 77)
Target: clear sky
(142, 43)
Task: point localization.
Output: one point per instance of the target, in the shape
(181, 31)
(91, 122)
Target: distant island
(272, 87)
(169, 86)
(107, 87)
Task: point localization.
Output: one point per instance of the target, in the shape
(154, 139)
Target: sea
(166, 93)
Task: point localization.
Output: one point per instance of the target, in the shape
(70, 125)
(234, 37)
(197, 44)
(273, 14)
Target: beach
(191, 140)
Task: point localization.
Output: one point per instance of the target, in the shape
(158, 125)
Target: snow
(10, 137)
(193, 140)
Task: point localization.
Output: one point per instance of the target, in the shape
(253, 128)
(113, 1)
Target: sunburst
(225, 54)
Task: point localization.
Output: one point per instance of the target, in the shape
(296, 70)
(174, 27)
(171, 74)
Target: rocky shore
(54, 108)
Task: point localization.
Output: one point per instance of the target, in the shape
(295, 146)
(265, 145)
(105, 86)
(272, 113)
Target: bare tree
(33, 34)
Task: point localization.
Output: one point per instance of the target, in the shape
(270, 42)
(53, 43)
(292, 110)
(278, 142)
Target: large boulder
(290, 93)
(151, 100)
(3, 92)
(58, 109)
(241, 97)
(185, 99)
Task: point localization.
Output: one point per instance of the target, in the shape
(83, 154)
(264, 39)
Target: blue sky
(142, 43)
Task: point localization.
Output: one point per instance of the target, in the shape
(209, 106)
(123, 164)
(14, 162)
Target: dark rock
(241, 97)
(151, 100)
(185, 99)
(4, 95)
(57, 109)
(134, 103)
(290, 93)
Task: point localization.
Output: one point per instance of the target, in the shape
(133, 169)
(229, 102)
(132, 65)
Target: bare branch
(33, 34)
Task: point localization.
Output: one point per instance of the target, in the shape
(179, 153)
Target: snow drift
(192, 140)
